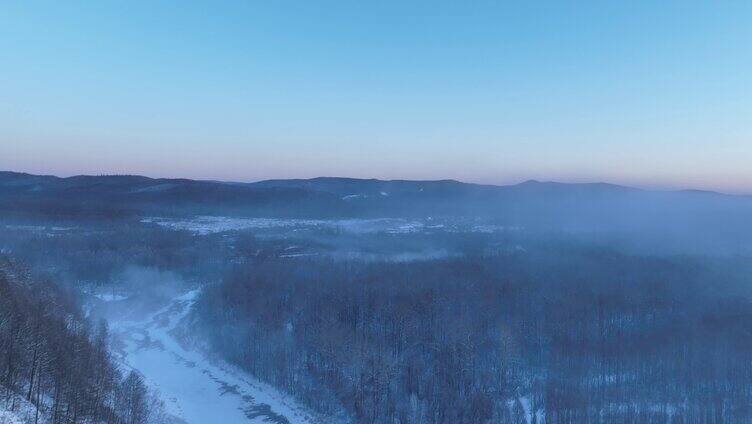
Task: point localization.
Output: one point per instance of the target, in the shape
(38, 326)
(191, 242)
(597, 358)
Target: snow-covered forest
(376, 212)
(561, 333)
(153, 314)
(54, 359)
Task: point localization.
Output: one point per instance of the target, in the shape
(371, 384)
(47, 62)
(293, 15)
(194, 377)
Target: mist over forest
(126, 299)
(376, 212)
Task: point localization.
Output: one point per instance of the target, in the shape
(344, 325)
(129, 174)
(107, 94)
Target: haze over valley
(390, 212)
(346, 300)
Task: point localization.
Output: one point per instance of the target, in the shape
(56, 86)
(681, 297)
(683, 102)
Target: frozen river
(197, 390)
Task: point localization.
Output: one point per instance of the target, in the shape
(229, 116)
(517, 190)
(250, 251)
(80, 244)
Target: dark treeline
(128, 196)
(567, 335)
(52, 358)
(97, 253)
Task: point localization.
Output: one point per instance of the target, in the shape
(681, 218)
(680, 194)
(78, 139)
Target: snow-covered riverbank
(197, 390)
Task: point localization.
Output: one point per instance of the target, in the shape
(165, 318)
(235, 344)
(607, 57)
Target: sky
(643, 93)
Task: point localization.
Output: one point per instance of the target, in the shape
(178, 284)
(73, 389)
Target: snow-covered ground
(197, 390)
(18, 411)
(204, 225)
(216, 224)
(109, 297)
(8, 417)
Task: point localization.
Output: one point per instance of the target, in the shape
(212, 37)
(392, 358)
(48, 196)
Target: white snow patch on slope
(155, 188)
(353, 196)
(109, 297)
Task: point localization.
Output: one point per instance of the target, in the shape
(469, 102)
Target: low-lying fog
(472, 318)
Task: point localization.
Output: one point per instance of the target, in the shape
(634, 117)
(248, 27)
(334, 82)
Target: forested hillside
(551, 303)
(52, 358)
(569, 334)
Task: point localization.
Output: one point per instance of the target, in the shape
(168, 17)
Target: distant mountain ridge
(335, 185)
(345, 185)
(128, 195)
(531, 204)
(315, 197)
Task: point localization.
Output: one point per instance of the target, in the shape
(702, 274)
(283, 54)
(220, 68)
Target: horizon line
(511, 184)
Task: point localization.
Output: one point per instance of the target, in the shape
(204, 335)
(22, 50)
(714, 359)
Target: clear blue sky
(647, 93)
